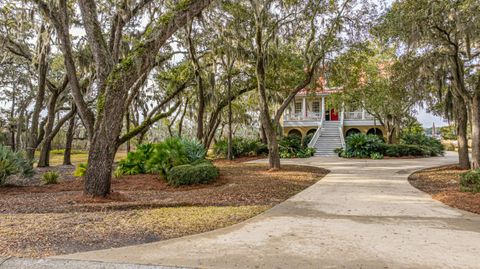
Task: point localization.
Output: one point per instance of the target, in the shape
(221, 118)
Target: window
(298, 107)
(316, 107)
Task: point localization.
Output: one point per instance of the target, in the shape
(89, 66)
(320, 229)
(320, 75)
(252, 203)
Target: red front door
(333, 114)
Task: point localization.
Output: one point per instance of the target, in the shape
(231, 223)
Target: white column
(363, 113)
(323, 107)
(304, 107)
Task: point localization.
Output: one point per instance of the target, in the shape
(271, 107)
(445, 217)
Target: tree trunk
(69, 141)
(273, 152)
(127, 123)
(99, 172)
(462, 122)
(263, 136)
(43, 161)
(44, 47)
(199, 80)
(230, 138)
(180, 122)
(476, 131)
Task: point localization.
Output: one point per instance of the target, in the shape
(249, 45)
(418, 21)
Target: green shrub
(306, 152)
(50, 177)
(307, 139)
(434, 146)
(376, 156)
(194, 150)
(399, 150)
(188, 174)
(470, 181)
(135, 161)
(166, 155)
(80, 170)
(240, 147)
(362, 146)
(12, 163)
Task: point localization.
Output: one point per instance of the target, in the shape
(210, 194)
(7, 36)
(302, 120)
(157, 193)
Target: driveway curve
(364, 214)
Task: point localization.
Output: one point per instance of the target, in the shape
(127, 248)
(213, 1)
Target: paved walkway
(364, 214)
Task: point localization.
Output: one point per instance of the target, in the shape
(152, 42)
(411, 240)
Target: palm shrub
(50, 177)
(362, 146)
(12, 163)
(188, 174)
(166, 155)
(470, 181)
(135, 161)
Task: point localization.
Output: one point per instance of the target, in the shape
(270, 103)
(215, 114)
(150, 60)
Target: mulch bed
(443, 184)
(44, 220)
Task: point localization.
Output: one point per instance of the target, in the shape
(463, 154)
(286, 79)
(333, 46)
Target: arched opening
(352, 131)
(311, 131)
(375, 131)
(295, 132)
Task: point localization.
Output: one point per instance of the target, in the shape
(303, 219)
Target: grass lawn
(443, 184)
(56, 157)
(44, 220)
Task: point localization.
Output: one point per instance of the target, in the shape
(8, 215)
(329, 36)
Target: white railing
(299, 116)
(355, 115)
(315, 137)
(340, 129)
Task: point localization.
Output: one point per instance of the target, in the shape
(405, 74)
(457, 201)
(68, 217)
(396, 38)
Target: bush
(80, 170)
(135, 161)
(50, 177)
(166, 155)
(399, 150)
(188, 174)
(362, 146)
(470, 181)
(292, 147)
(240, 147)
(12, 163)
(307, 139)
(431, 144)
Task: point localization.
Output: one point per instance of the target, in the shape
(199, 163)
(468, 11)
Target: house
(310, 113)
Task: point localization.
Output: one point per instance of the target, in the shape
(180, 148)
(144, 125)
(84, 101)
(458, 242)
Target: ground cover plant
(145, 209)
(450, 185)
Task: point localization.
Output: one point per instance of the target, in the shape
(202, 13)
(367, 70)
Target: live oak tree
(449, 29)
(116, 73)
(372, 77)
(310, 30)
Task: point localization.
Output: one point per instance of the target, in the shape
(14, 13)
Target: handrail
(315, 137)
(340, 128)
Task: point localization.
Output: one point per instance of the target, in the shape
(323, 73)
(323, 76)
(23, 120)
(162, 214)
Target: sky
(427, 119)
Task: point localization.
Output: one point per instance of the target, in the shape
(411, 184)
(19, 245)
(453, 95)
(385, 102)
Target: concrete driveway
(364, 214)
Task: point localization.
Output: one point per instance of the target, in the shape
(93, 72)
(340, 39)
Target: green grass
(77, 157)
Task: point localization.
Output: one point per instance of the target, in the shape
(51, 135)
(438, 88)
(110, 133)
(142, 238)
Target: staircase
(329, 139)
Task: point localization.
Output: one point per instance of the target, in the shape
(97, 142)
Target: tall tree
(449, 28)
(115, 76)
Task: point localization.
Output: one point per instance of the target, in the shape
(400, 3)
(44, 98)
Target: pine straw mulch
(39, 221)
(443, 184)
